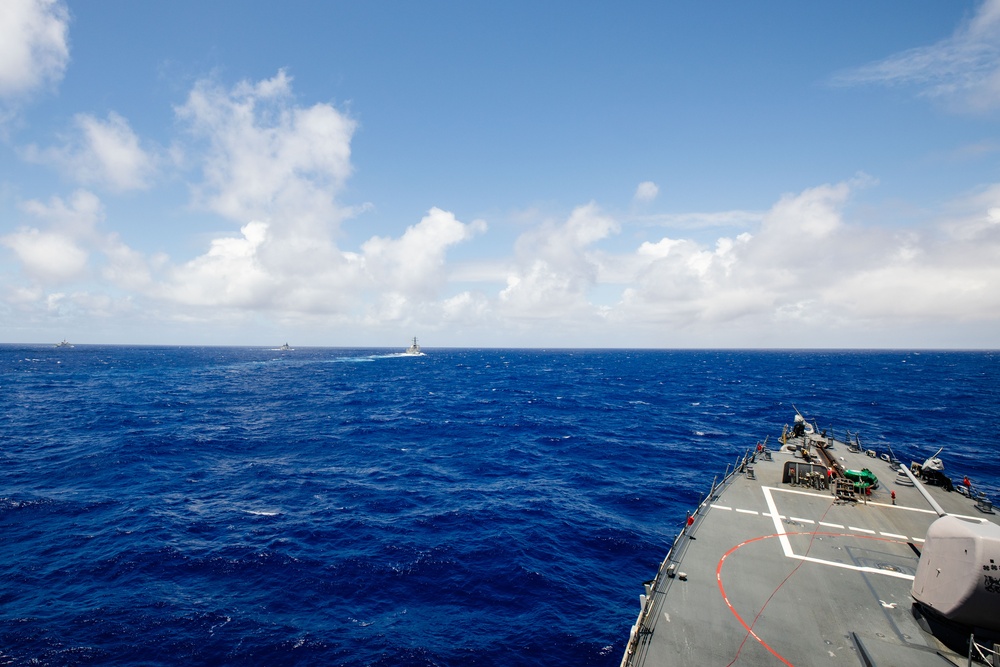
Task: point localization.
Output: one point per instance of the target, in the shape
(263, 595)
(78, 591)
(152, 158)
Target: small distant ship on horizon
(285, 347)
(413, 349)
(64, 343)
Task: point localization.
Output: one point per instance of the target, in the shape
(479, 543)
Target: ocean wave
(220, 506)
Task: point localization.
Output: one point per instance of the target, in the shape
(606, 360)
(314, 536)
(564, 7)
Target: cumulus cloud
(77, 217)
(678, 281)
(256, 272)
(963, 69)
(556, 266)
(278, 168)
(413, 265)
(265, 158)
(127, 268)
(33, 45)
(646, 192)
(229, 274)
(70, 267)
(389, 279)
(47, 257)
(945, 272)
(806, 268)
(106, 153)
(57, 254)
(776, 272)
(809, 268)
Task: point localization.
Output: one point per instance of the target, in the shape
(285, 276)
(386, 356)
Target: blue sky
(557, 174)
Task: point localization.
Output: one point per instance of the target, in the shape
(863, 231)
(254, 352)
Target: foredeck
(769, 573)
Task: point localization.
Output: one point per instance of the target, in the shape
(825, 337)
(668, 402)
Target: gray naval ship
(812, 550)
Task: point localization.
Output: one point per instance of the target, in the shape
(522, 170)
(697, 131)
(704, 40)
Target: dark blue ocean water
(209, 506)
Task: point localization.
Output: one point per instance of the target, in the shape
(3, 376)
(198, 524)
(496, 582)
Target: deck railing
(655, 589)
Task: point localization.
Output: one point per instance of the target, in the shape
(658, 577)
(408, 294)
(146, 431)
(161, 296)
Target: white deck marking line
(869, 570)
(898, 537)
(721, 507)
(831, 525)
(827, 496)
(977, 519)
(903, 507)
(795, 518)
(917, 539)
(786, 545)
(861, 530)
(755, 512)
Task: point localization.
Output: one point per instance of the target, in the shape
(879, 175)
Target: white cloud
(913, 291)
(57, 254)
(467, 308)
(107, 153)
(390, 279)
(229, 274)
(946, 272)
(76, 217)
(963, 69)
(47, 257)
(65, 248)
(807, 217)
(976, 215)
(646, 192)
(413, 266)
(33, 45)
(811, 271)
(752, 275)
(704, 219)
(806, 272)
(276, 168)
(281, 167)
(267, 159)
(679, 281)
(555, 267)
(126, 268)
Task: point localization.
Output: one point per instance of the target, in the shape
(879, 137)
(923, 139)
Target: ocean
(252, 506)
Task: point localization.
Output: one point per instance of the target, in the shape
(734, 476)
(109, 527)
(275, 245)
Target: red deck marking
(749, 628)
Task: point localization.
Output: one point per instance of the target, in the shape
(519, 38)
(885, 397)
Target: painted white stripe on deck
(754, 512)
(917, 539)
(795, 518)
(869, 570)
(831, 525)
(898, 537)
(824, 496)
(786, 546)
(721, 507)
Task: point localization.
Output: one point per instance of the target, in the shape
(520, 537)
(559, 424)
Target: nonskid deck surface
(770, 573)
